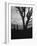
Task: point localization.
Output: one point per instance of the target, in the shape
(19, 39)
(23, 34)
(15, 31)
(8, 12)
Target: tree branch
(29, 14)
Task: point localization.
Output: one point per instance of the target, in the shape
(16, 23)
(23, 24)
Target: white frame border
(7, 38)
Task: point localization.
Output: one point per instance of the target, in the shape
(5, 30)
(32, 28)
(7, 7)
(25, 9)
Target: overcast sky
(15, 16)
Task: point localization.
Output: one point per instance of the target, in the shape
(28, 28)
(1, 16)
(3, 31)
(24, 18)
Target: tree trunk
(24, 27)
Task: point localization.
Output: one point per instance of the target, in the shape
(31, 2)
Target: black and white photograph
(21, 22)
(18, 22)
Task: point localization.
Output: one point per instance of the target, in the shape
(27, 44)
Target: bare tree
(22, 13)
(29, 14)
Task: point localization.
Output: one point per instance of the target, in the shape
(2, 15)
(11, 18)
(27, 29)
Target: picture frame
(8, 20)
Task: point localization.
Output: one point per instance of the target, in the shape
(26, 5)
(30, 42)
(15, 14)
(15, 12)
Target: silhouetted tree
(22, 13)
(29, 14)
